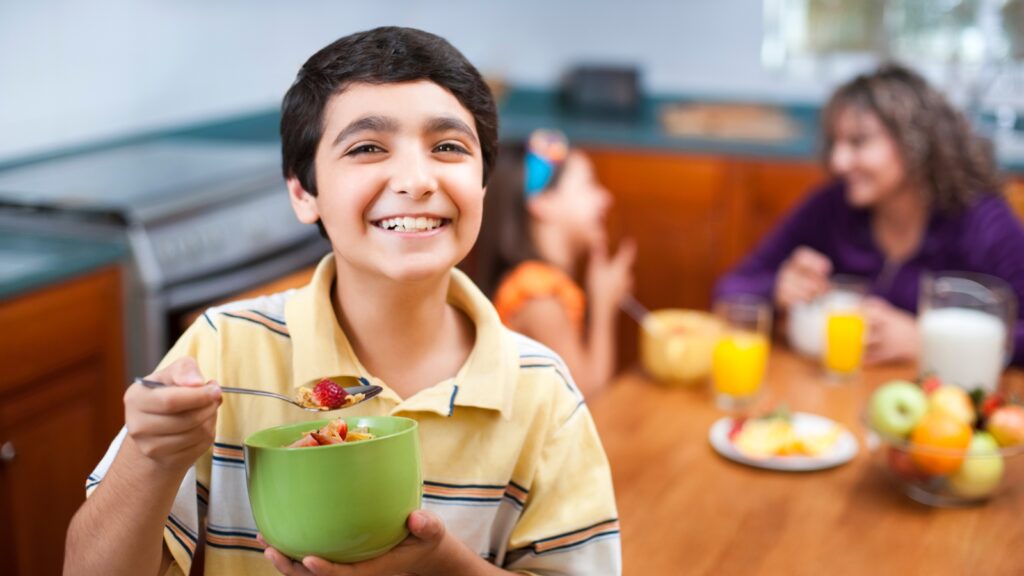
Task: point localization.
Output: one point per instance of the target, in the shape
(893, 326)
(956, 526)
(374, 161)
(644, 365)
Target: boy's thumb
(426, 525)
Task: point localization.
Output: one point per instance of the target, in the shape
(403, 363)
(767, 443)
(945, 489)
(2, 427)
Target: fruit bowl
(943, 445)
(676, 345)
(948, 477)
(344, 502)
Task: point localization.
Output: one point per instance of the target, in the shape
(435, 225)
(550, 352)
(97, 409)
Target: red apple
(1007, 425)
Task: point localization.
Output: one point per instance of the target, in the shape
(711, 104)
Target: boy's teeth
(410, 224)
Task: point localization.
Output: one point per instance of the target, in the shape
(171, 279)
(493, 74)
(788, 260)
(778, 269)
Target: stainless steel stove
(203, 220)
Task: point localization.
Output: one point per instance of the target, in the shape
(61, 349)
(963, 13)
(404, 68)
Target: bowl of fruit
(339, 488)
(944, 446)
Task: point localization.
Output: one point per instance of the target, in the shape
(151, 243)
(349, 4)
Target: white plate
(842, 451)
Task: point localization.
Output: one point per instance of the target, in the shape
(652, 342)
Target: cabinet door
(1015, 195)
(50, 432)
(770, 189)
(677, 209)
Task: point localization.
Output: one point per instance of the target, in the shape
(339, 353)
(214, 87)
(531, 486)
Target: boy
(387, 137)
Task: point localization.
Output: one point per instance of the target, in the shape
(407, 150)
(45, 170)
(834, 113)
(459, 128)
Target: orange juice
(739, 363)
(844, 342)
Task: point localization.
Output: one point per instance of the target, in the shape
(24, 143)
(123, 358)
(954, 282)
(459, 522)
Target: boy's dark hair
(385, 55)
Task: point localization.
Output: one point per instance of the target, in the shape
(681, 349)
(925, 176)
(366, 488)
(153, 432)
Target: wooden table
(686, 510)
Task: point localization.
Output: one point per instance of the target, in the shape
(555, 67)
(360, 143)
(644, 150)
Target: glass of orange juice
(845, 327)
(741, 355)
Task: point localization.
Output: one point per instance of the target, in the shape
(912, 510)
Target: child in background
(544, 213)
(388, 139)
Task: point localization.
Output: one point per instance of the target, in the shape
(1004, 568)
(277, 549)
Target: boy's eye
(364, 149)
(450, 147)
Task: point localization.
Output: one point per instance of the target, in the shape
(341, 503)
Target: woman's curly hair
(938, 146)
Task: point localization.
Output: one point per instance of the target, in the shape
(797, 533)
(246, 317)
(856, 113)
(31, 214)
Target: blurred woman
(543, 217)
(915, 190)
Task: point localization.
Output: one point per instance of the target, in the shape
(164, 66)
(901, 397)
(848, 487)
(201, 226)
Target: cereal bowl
(676, 345)
(343, 502)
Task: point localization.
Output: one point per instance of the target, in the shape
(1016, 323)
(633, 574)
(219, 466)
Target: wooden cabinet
(693, 217)
(60, 406)
(1015, 195)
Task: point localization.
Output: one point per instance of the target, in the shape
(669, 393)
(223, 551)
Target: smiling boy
(387, 139)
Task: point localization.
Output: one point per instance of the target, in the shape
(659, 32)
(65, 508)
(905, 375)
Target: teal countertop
(523, 110)
(30, 261)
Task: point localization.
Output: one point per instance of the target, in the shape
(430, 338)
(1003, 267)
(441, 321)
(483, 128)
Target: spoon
(369, 391)
(635, 310)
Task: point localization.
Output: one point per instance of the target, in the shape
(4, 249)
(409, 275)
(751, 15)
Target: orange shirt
(536, 279)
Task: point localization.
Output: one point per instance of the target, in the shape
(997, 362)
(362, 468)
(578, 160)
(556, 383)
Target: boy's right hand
(173, 426)
(802, 277)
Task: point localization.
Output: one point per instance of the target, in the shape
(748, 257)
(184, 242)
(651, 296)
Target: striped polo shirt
(511, 459)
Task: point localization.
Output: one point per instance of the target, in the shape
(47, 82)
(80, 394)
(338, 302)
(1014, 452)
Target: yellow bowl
(676, 345)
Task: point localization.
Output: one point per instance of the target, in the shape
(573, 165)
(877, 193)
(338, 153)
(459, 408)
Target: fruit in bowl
(676, 345)
(345, 501)
(945, 447)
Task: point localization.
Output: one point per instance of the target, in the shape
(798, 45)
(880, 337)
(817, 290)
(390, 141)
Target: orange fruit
(944, 440)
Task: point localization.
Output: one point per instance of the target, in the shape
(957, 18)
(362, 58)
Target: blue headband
(546, 150)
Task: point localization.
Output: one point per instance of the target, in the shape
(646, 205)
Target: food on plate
(773, 434)
(327, 395)
(334, 432)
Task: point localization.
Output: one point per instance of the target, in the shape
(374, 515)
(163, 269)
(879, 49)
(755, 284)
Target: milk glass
(966, 321)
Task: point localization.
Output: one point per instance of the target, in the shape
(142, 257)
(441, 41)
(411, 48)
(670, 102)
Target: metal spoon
(369, 391)
(637, 311)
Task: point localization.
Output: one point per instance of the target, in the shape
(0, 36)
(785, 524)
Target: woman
(915, 190)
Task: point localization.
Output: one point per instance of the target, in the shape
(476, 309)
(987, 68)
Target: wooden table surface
(686, 510)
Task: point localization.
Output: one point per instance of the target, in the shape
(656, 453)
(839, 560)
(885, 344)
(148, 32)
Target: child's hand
(173, 426)
(802, 277)
(424, 553)
(892, 333)
(609, 280)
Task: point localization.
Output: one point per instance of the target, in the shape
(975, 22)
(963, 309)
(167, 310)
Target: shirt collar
(321, 350)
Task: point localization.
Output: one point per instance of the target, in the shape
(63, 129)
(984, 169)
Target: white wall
(72, 72)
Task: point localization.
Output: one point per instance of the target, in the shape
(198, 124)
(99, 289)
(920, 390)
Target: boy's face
(398, 172)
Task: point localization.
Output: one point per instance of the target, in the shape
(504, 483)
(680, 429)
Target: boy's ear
(303, 203)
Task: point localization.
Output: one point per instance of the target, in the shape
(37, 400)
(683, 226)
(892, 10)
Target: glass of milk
(965, 320)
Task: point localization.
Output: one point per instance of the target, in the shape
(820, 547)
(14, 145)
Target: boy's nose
(413, 177)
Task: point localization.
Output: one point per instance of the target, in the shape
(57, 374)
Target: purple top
(986, 238)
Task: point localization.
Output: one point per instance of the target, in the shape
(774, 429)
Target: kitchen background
(139, 171)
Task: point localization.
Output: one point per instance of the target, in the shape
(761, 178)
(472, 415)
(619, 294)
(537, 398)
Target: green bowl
(343, 502)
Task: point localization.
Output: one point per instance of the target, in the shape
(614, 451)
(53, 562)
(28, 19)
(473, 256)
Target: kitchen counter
(30, 261)
(522, 110)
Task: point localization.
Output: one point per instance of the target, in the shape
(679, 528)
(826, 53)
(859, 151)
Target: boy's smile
(399, 175)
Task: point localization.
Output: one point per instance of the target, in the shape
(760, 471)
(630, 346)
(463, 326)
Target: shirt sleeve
(755, 274)
(569, 523)
(181, 530)
(994, 240)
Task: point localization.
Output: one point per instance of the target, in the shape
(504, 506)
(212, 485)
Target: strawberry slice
(989, 404)
(305, 441)
(328, 394)
(324, 440)
(737, 426)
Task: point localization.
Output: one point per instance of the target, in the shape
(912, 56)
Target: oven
(202, 219)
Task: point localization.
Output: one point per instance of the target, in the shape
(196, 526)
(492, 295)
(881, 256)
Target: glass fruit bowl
(948, 477)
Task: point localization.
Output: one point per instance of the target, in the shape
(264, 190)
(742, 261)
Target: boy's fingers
(172, 399)
(285, 565)
(182, 372)
(173, 424)
(426, 526)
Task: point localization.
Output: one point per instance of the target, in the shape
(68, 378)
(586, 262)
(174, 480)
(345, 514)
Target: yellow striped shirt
(511, 460)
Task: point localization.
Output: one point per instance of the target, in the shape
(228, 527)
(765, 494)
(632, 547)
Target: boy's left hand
(892, 333)
(423, 553)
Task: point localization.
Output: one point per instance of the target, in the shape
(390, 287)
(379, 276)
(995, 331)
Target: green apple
(982, 469)
(896, 407)
(954, 401)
